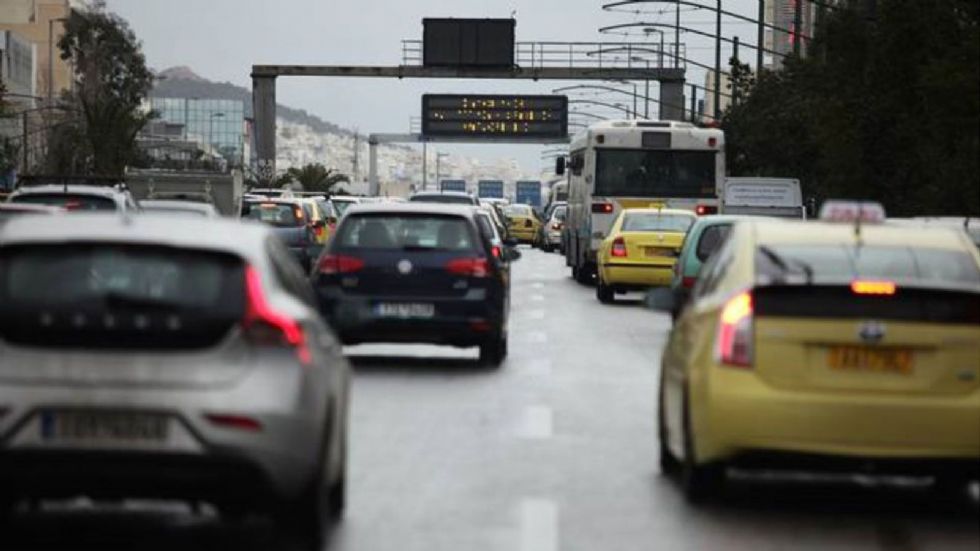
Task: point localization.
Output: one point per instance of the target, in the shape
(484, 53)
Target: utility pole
(694, 103)
(717, 102)
(677, 36)
(732, 83)
(797, 25)
(761, 40)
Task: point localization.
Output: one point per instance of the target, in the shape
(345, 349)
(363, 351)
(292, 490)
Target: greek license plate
(658, 251)
(100, 426)
(881, 360)
(402, 310)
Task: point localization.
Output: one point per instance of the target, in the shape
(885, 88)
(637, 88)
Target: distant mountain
(182, 82)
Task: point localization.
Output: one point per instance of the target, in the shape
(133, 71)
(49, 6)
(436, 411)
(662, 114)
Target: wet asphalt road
(555, 450)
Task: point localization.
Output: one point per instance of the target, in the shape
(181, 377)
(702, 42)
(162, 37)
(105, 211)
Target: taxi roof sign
(866, 212)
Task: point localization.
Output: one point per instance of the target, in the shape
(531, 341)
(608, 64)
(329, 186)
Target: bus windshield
(655, 173)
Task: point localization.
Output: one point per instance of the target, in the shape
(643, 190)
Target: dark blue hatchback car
(414, 273)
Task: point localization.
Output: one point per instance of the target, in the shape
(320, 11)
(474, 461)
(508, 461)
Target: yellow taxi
(523, 222)
(831, 345)
(641, 250)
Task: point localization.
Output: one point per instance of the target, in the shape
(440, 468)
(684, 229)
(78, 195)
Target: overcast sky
(221, 39)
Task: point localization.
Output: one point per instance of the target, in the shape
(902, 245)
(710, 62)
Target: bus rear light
(712, 142)
(733, 345)
(619, 248)
(602, 208)
(702, 210)
(878, 288)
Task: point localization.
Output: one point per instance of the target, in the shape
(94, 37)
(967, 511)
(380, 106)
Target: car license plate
(658, 251)
(862, 358)
(401, 310)
(100, 426)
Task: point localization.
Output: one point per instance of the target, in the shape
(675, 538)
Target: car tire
(669, 465)
(604, 293)
(701, 482)
(583, 275)
(337, 498)
(493, 351)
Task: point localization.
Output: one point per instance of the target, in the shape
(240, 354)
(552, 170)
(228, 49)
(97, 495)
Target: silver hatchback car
(141, 356)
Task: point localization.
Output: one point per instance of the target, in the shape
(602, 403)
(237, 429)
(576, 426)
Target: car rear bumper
(523, 234)
(744, 417)
(637, 274)
(464, 321)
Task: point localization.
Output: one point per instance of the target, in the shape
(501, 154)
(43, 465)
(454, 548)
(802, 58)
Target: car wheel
(493, 351)
(701, 482)
(669, 465)
(584, 275)
(604, 292)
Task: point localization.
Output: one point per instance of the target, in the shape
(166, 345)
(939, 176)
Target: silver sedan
(141, 356)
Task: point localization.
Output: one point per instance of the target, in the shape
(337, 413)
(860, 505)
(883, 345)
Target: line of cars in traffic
(190, 356)
(848, 344)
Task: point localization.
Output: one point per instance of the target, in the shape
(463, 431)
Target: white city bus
(633, 164)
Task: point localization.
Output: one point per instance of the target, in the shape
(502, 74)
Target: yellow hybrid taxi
(524, 224)
(851, 347)
(641, 250)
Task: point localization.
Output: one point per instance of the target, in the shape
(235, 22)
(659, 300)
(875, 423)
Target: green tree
(887, 108)
(112, 81)
(314, 177)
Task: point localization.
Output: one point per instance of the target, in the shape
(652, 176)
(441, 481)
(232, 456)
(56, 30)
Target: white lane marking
(540, 366)
(539, 525)
(537, 422)
(536, 314)
(537, 297)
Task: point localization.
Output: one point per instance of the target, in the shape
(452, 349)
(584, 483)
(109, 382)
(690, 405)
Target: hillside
(182, 82)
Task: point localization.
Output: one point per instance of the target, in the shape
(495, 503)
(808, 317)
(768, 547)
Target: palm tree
(316, 177)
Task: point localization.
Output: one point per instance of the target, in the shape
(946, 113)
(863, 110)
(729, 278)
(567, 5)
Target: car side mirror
(661, 299)
(513, 254)
(560, 165)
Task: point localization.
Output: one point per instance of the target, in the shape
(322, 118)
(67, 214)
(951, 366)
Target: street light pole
(717, 102)
(760, 41)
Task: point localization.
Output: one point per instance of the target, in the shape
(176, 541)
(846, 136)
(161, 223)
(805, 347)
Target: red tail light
(239, 422)
(619, 248)
(735, 334)
(496, 251)
(263, 325)
(318, 230)
(702, 210)
(471, 267)
(333, 264)
(602, 208)
(688, 282)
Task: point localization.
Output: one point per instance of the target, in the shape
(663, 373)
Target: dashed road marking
(539, 525)
(537, 422)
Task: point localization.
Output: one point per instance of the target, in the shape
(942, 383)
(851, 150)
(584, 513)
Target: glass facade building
(219, 122)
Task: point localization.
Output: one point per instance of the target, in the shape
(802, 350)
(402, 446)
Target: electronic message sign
(510, 118)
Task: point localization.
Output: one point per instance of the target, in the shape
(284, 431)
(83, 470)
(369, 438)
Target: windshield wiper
(786, 265)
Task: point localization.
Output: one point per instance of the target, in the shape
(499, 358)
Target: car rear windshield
(282, 215)
(406, 232)
(655, 221)
(118, 296)
(518, 210)
(69, 201)
(841, 263)
(446, 199)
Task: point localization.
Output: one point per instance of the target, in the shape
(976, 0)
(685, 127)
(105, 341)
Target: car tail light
(495, 250)
(332, 264)
(602, 208)
(688, 282)
(556, 226)
(472, 267)
(619, 248)
(298, 212)
(702, 210)
(73, 205)
(880, 288)
(239, 422)
(265, 326)
(318, 230)
(734, 342)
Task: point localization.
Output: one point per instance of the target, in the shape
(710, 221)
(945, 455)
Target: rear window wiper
(786, 265)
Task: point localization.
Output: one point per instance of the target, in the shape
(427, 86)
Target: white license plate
(402, 310)
(99, 426)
